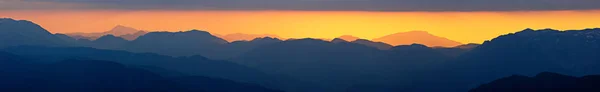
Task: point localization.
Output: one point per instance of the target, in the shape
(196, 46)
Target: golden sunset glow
(465, 27)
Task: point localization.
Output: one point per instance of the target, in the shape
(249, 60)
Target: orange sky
(465, 27)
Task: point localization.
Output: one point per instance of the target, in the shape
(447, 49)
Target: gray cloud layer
(324, 5)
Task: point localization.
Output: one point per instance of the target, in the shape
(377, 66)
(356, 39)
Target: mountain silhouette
(336, 66)
(571, 50)
(25, 75)
(109, 42)
(22, 32)
(338, 40)
(348, 37)
(187, 43)
(297, 65)
(133, 36)
(378, 45)
(245, 37)
(119, 31)
(76, 76)
(543, 82)
(457, 50)
(468, 46)
(309, 60)
(528, 52)
(193, 65)
(420, 37)
(238, 48)
(66, 38)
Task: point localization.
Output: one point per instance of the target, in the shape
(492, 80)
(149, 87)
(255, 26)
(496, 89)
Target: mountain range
(402, 38)
(526, 52)
(245, 37)
(23, 74)
(22, 32)
(348, 37)
(119, 31)
(298, 65)
(419, 37)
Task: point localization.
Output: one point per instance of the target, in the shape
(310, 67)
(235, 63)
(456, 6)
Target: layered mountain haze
(133, 36)
(378, 45)
(419, 37)
(119, 31)
(468, 46)
(185, 43)
(527, 52)
(348, 37)
(300, 46)
(339, 65)
(109, 42)
(22, 32)
(32, 74)
(338, 40)
(245, 37)
(199, 61)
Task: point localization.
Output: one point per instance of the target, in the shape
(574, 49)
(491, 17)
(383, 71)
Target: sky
(466, 21)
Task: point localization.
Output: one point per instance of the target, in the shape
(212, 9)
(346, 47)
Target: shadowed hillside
(194, 65)
(378, 45)
(543, 82)
(22, 32)
(188, 43)
(340, 65)
(21, 75)
(528, 52)
(298, 65)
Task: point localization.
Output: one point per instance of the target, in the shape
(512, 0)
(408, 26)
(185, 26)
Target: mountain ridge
(128, 33)
(420, 37)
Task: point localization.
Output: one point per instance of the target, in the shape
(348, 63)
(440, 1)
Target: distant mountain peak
(4, 20)
(467, 46)
(361, 40)
(109, 36)
(121, 30)
(196, 31)
(22, 23)
(308, 40)
(421, 37)
(348, 37)
(378, 45)
(245, 37)
(188, 33)
(417, 45)
(411, 46)
(266, 38)
(128, 33)
(22, 32)
(338, 40)
(110, 41)
(529, 29)
(191, 35)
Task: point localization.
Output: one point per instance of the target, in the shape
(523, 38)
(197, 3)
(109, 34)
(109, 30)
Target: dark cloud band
(337, 5)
